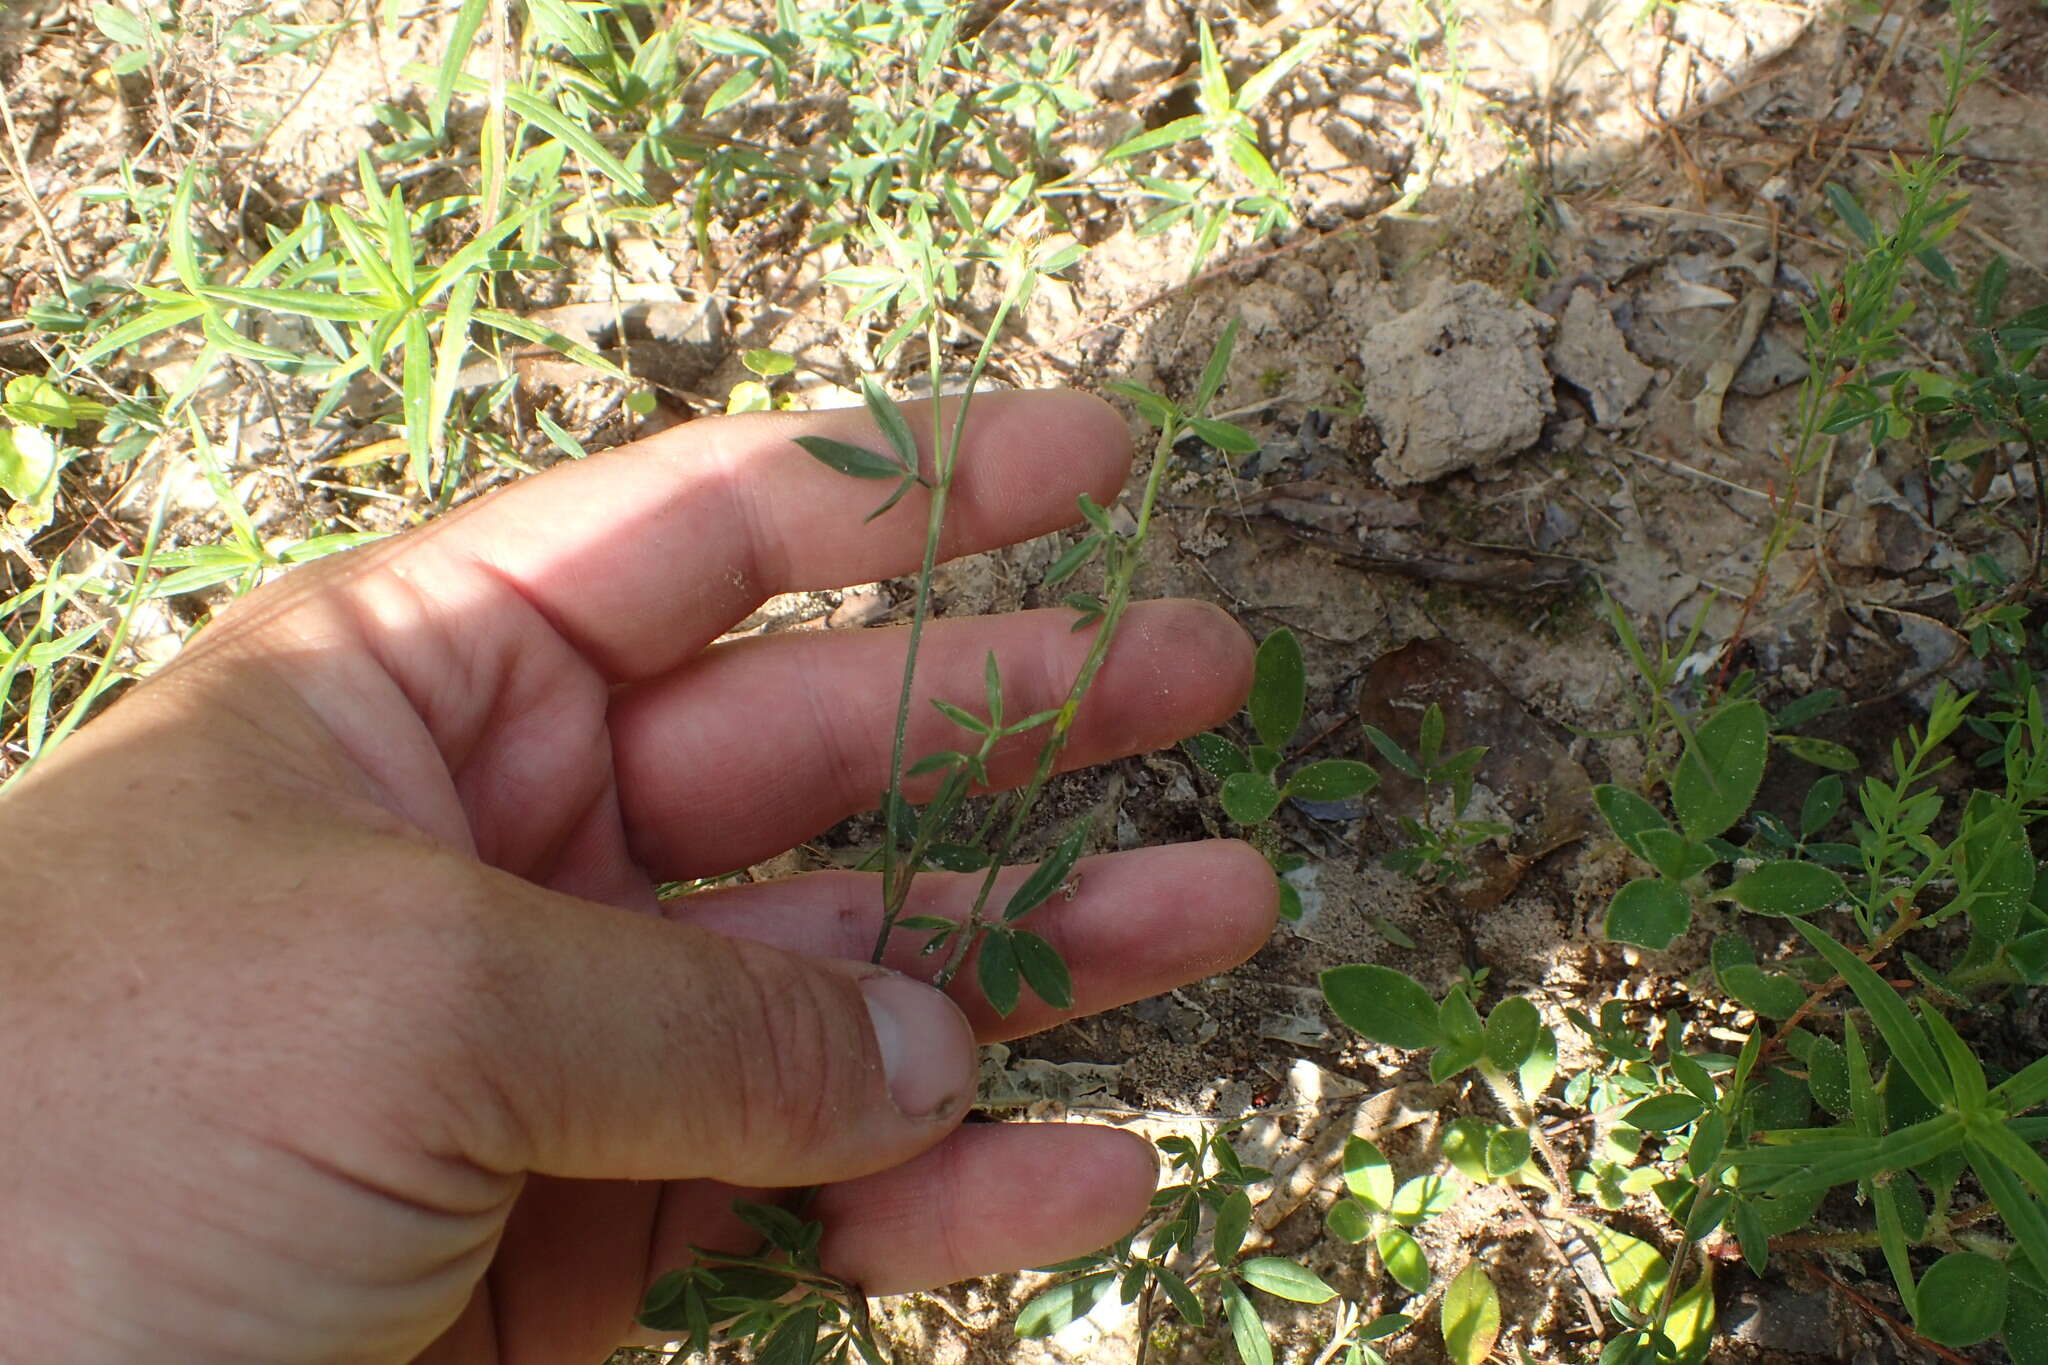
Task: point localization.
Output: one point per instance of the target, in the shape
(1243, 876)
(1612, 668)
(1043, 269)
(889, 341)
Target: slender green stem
(1123, 570)
(898, 871)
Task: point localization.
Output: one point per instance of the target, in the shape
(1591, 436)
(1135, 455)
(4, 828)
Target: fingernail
(927, 1048)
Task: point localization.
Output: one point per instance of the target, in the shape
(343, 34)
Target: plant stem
(1122, 571)
(898, 871)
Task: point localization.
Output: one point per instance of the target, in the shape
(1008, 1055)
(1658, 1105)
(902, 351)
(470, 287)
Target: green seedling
(1377, 1211)
(1440, 847)
(1224, 126)
(1252, 785)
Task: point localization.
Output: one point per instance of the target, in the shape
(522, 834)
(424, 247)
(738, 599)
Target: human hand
(343, 1021)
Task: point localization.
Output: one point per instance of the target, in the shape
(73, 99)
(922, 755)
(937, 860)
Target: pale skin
(343, 1022)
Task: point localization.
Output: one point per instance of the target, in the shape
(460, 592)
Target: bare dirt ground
(1566, 367)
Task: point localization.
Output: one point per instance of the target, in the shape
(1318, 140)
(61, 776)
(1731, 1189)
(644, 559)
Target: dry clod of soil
(1591, 355)
(1456, 383)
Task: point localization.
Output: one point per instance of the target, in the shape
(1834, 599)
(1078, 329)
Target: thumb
(625, 1046)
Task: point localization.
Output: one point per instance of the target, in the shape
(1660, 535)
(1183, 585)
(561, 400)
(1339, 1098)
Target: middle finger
(761, 744)
(1138, 923)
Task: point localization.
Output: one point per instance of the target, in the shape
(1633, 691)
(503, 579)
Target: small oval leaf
(1661, 1113)
(1249, 798)
(1511, 1032)
(1279, 688)
(1385, 1005)
(1368, 1174)
(1789, 888)
(1650, 913)
(1333, 779)
(1404, 1259)
(1962, 1299)
(1471, 1316)
(1720, 771)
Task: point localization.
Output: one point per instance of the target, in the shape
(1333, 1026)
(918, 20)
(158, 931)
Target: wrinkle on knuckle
(789, 1073)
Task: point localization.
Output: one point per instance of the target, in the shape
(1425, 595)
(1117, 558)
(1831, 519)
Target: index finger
(641, 556)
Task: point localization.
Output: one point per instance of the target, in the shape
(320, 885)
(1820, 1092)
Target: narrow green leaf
(1166, 135)
(563, 441)
(368, 255)
(299, 302)
(461, 39)
(161, 318)
(894, 497)
(1217, 369)
(1045, 971)
(998, 972)
(1909, 1043)
(1073, 558)
(1227, 437)
(850, 459)
(184, 260)
(1851, 213)
(578, 138)
(1964, 1070)
(1394, 753)
(525, 328)
(1284, 1279)
(1063, 1303)
(1247, 1331)
(1154, 409)
(1233, 1218)
(1822, 753)
(416, 388)
(895, 427)
(1048, 876)
(1262, 82)
(1182, 1297)
(2025, 1214)
(1752, 1237)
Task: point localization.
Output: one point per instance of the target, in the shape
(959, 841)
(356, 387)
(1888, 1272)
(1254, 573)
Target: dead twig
(1756, 306)
(17, 167)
